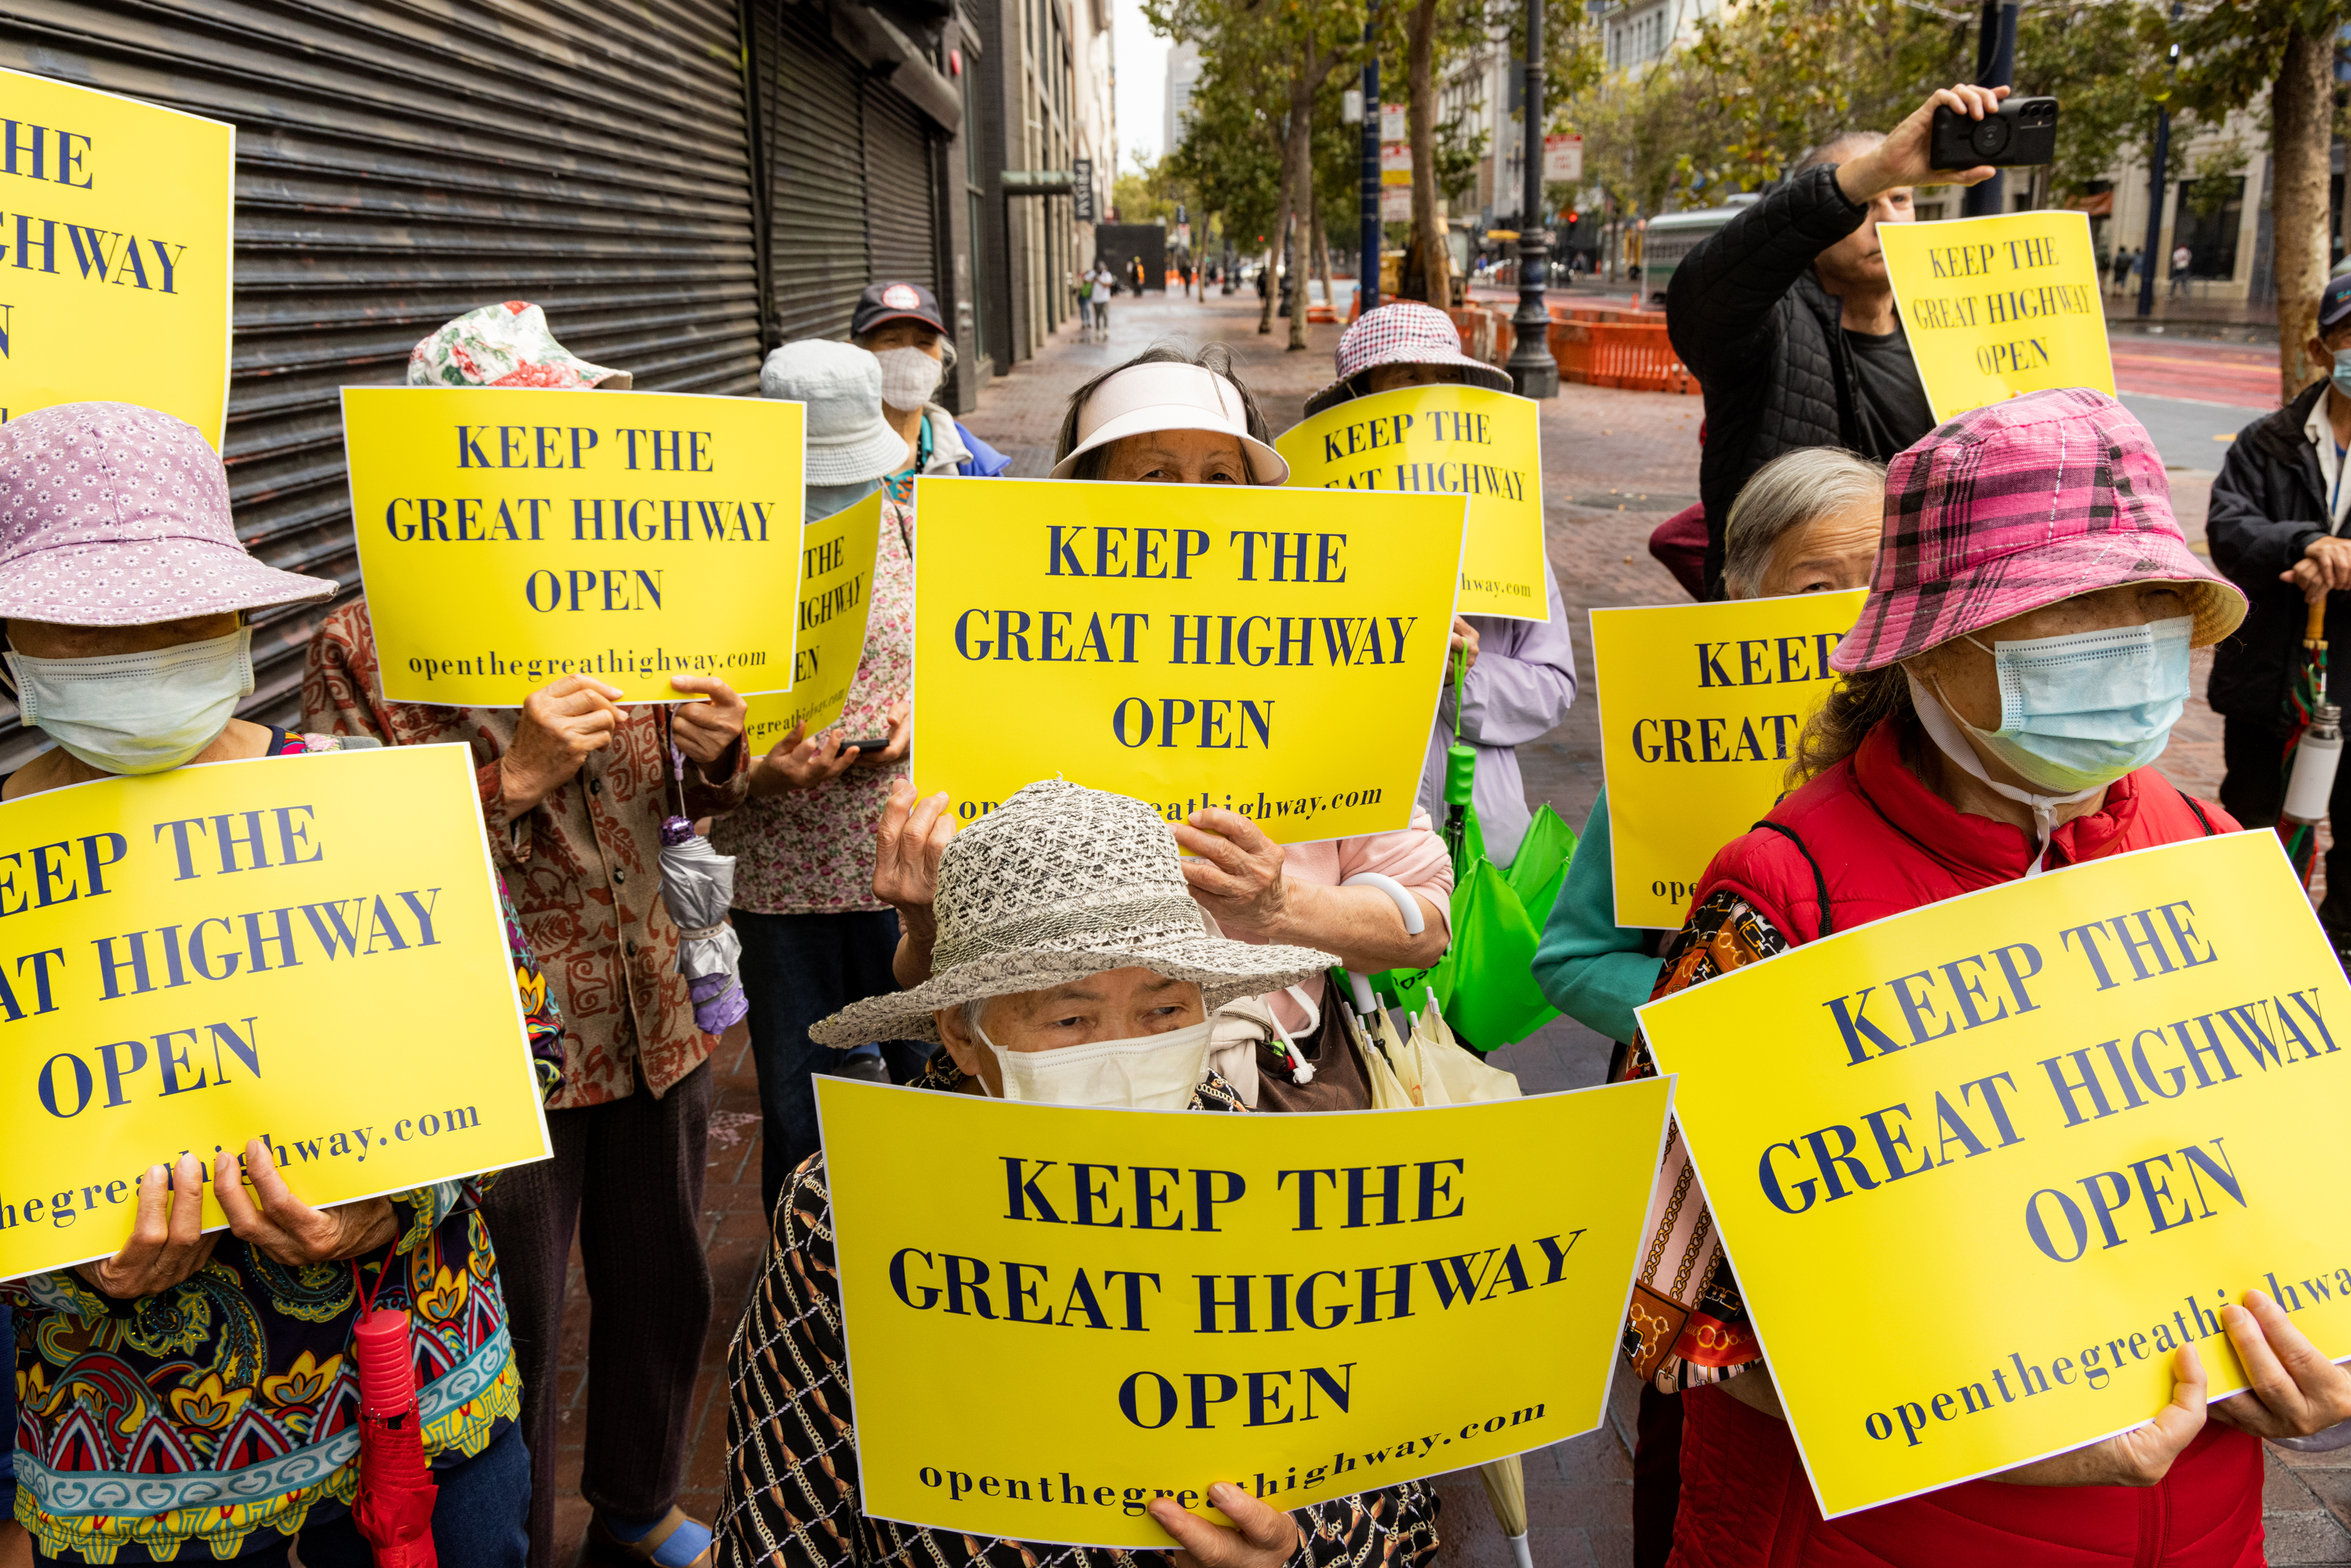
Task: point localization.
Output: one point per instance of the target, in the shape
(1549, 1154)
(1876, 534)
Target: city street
(1616, 465)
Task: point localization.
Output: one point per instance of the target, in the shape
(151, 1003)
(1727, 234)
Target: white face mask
(138, 713)
(909, 376)
(1150, 1072)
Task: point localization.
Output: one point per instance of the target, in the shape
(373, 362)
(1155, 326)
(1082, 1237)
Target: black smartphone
(881, 745)
(2021, 132)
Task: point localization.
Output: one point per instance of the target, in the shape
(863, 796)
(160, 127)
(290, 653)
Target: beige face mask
(1148, 1073)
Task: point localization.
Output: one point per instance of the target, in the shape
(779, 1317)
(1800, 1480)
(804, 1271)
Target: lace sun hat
(1059, 882)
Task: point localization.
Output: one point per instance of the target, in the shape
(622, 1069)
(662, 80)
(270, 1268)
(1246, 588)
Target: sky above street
(1142, 56)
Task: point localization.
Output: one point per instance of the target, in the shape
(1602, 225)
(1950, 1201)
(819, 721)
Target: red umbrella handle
(394, 1507)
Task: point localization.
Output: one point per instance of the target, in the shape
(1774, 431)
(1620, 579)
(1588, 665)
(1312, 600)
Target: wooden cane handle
(2314, 629)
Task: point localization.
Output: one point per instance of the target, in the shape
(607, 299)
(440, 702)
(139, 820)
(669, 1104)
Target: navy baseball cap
(2335, 305)
(884, 302)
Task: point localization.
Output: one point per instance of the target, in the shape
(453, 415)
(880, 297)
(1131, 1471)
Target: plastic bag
(1486, 983)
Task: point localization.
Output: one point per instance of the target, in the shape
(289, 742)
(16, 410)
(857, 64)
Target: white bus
(1670, 236)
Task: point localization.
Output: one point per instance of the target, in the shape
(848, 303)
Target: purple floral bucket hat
(2014, 506)
(113, 515)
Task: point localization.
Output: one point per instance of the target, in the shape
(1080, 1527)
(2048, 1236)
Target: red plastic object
(394, 1506)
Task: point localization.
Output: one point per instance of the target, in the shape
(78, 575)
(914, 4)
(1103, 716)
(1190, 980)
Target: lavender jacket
(1519, 690)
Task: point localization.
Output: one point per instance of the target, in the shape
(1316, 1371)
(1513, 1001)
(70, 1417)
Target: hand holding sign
(168, 1241)
(703, 730)
(273, 1221)
(1258, 1537)
(563, 724)
(2140, 1457)
(2296, 1391)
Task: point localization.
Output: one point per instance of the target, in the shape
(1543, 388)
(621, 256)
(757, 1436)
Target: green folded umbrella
(1540, 870)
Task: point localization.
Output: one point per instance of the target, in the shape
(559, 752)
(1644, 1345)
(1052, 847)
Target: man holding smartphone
(1786, 316)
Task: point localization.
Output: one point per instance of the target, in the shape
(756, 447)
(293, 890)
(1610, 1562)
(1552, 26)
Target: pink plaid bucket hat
(1404, 333)
(2014, 506)
(113, 515)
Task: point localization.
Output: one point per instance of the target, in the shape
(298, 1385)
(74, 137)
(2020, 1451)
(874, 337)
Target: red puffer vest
(1867, 840)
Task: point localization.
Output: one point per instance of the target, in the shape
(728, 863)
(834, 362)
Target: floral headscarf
(505, 345)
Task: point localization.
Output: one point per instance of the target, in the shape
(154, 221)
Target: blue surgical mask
(2081, 710)
(2077, 712)
(137, 712)
(819, 501)
(2343, 372)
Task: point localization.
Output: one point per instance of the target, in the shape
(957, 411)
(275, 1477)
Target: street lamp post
(1367, 268)
(1533, 372)
(2158, 165)
(1995, 67)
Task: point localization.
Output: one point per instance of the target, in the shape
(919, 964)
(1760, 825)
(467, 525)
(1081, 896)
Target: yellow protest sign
(1699, 709)
(2117, 1089)
(511, 536)
(308, 949)
(837, 560)
(117, 254)
(1445, 440)
(1308, 1306)
(1276, 652)
(1995, 306)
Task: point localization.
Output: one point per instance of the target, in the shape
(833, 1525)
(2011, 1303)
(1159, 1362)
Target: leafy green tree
(2280, 55)
(1283, 53)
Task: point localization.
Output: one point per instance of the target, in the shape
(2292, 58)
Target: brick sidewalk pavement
(1617, 464)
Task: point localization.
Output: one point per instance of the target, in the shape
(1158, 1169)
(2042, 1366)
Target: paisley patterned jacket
(226, 1409)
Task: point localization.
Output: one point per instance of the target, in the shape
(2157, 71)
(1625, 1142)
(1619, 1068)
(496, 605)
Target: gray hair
(1860, 140)
(1791, 489)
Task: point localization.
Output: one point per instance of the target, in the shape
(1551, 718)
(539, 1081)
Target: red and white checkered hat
(1404, 333)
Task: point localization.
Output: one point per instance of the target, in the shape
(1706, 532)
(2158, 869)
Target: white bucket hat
(1145, 398)
(1059, 882)
(849, 442)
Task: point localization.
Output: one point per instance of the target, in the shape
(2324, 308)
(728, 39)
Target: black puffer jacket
(2268, 504)
(1752, 323)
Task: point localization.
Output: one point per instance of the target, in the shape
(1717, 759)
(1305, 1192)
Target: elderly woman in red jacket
(2020, 661)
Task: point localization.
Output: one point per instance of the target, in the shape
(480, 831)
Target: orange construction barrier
(1637, 357)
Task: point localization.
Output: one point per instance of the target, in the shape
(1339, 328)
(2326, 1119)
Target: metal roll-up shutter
(901, 210)
(400, 161)
(816, 173)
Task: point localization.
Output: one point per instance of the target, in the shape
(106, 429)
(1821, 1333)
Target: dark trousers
(628, 1174)
(2253, 792)
(798, 969)
(478, 1514)
(1657, 1476)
